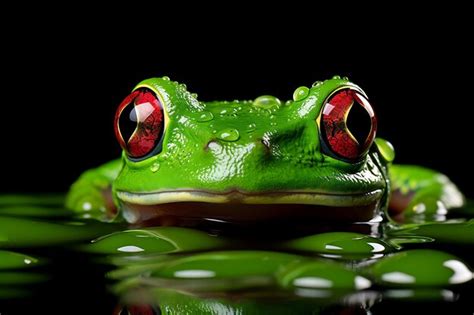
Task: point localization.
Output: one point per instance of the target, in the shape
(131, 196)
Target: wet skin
(264, 160)
(247, 161)
(255, 160)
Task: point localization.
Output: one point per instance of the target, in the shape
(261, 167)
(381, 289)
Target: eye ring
(139, 124)
(337, 139)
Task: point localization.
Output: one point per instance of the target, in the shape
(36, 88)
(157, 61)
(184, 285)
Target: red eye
(139, 123)
(348, 124)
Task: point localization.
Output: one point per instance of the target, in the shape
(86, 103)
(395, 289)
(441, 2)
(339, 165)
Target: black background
(63, 77)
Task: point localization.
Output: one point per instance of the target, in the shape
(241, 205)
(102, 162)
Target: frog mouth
(236, 205)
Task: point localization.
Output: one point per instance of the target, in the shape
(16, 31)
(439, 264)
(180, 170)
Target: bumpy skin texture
(252, 147)
(194, 157)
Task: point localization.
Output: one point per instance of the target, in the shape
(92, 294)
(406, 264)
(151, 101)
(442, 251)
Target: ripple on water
(340, 244)
(334, 265)
(420, 268)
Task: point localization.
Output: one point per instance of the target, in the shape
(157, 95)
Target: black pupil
(359, 122)
(128, 121)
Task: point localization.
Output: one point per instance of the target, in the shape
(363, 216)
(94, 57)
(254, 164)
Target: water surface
(52, 262)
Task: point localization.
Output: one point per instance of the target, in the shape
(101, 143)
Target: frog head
(248, 160)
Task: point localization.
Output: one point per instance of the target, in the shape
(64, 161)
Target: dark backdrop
(62, 83)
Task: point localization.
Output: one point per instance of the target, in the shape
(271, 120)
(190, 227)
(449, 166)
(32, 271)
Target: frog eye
(139, 124)
(348, 125)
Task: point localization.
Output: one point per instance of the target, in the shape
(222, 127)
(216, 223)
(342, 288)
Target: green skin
(212, 152)
(211, 155)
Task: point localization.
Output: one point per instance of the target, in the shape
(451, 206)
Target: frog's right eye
(139, 124)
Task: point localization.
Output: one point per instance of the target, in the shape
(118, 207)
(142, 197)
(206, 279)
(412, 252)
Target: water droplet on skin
(155, 167)
(223, 112)
(214, 131)
(273, 123)
(300, 93)
(336, 77)
(385, 149)
(229, 134)
(205, 116)
(166, 78)
(345, 78)
(194, 95)
(317, 83)
(266, 101)
(288, 102)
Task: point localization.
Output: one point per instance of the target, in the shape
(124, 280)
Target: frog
(313, 158)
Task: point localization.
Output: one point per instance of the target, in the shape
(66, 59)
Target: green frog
(312, 158)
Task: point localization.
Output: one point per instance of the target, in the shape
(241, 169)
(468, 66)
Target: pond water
(51, 262)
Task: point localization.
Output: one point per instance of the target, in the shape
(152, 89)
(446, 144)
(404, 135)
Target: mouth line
(236, 196)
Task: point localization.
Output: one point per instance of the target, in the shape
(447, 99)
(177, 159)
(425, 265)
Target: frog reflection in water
(314, 160)
(315, 157)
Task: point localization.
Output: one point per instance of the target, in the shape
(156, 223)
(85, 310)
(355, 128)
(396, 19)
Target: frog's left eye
(139, 124)
(348, 125)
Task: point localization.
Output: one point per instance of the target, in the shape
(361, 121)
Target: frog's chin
(236, 205)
